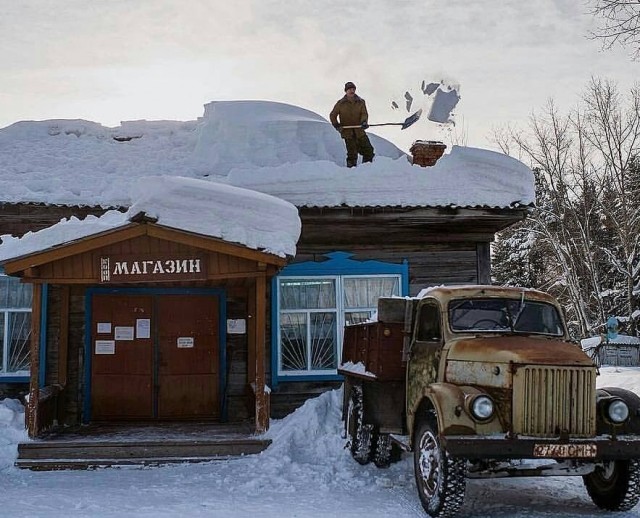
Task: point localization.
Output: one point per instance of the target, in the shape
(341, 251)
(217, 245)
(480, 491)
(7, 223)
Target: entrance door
(121, 369)
(188, 356)
(155, 357)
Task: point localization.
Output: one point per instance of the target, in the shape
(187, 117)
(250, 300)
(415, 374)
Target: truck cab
(481, 382)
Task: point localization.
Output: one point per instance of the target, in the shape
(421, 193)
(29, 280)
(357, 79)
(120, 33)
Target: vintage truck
(484, 382)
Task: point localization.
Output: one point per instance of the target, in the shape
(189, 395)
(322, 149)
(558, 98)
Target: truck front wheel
(440, 478)
(615, 486)
(360, 434)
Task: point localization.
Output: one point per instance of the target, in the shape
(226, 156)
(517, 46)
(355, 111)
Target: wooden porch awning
(146, 253)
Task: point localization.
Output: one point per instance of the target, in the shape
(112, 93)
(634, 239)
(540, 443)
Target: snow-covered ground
(306, 472)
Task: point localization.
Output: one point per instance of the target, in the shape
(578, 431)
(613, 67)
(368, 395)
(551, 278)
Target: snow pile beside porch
(235, 215)
(275, 148)
(12, 430)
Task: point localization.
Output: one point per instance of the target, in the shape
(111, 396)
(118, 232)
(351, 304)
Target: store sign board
(152, 268)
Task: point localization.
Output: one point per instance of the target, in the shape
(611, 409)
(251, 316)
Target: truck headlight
(618, 411)
(482, 407)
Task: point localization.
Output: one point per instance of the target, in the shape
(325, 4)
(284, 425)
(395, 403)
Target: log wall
(19, 218)
(443, 245)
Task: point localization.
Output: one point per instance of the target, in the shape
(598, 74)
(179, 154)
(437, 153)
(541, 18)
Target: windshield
(504, 315)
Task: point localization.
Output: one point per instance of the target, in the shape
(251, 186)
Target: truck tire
(440, 478)
(386, 451)
(616, 487)
(360, 435)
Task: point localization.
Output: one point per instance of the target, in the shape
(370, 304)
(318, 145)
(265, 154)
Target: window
(313, 311)
(429, 323)
(504, 315)
(15, 326)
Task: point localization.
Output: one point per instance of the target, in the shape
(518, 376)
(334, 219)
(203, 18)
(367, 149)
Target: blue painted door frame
(222, 319)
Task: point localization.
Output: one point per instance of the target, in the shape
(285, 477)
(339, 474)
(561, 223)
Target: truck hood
(518, 349)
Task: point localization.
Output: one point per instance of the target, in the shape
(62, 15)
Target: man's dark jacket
(351, 113)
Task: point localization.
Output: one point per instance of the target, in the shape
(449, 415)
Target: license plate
(565, 451)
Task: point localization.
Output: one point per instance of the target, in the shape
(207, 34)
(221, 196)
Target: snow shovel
(411, 119)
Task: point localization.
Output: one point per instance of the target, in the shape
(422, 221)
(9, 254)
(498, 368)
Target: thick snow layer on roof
(271, 147)
(593, 341)
(236, 215)
(256, 134)
(466, 177)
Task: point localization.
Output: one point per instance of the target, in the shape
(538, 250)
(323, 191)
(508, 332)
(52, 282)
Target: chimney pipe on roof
(426, 152)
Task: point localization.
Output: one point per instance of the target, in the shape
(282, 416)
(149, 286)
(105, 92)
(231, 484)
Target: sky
(164, 59)
(306, 472)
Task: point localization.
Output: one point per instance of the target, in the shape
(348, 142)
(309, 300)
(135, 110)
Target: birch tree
(586, 225)
(614, 131)
(619, 23)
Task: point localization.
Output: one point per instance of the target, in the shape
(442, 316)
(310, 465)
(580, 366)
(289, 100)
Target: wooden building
(134, 324)
(382, 251)
(277, 322)
(375, 251)
(359, 254)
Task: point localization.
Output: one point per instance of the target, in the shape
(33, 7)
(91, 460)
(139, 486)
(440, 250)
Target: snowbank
(250, 134)
(12, 430)
(466, 177)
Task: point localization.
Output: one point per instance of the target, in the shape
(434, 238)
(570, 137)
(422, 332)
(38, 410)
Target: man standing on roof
(352, 111)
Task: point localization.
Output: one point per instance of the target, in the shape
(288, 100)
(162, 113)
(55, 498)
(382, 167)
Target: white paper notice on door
(185, 342)
(143, 328)
(236, 326)
(104, 327)
(123, 333)
(105, 347)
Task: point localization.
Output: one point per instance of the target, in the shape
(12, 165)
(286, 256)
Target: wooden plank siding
(85, 267)
(441, 245)
(19, 218)
(433, 264)
(239, 402)
(378, 226)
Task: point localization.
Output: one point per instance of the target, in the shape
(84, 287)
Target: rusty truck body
(484, 382)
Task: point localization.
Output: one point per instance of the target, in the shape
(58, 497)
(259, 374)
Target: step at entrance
(138, 445)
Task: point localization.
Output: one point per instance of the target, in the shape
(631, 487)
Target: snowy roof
(275, 148)
(252, 219)
(594, 341)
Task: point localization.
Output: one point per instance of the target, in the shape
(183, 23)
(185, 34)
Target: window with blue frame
(315, 300)
(15, 326)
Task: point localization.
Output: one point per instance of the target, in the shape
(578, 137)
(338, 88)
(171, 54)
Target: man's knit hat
(349, 85)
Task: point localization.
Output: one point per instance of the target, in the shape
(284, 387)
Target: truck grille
(548, 401)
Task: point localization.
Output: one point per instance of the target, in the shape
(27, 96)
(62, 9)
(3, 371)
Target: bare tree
(562, 223)
(586, 225)
(619, 23)
(614, 131)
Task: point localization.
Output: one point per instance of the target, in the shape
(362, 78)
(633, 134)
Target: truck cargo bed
(373, 350)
